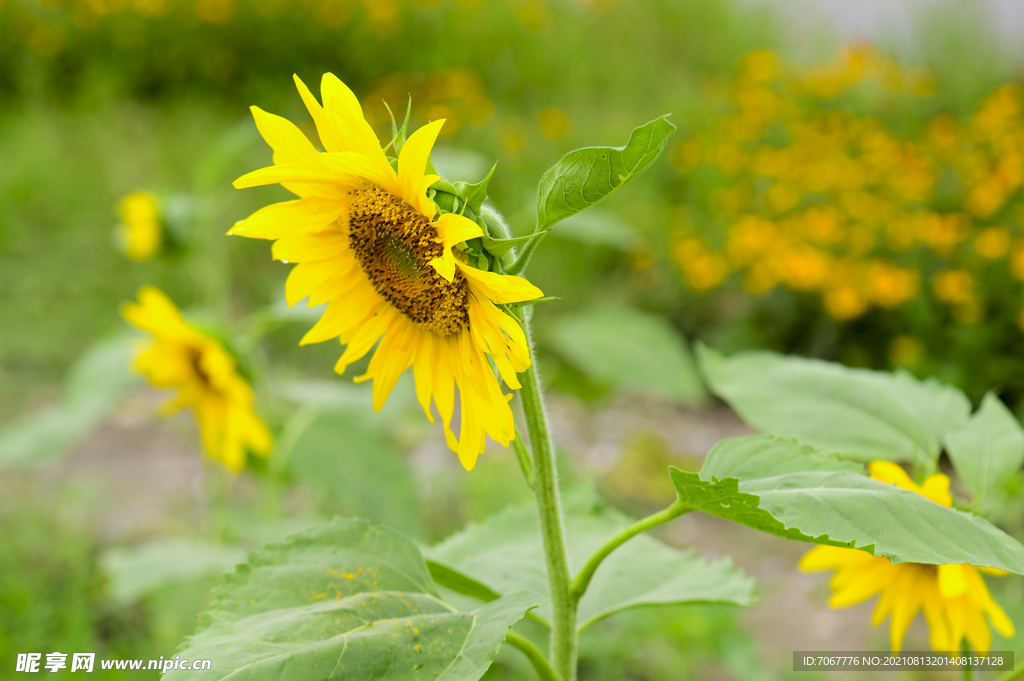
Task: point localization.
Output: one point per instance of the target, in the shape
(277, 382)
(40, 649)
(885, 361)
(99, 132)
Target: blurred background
(845, 183)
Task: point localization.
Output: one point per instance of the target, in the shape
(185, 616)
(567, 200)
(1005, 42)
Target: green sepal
(499, 247)
(398, 135)
(542, 299)
(445, 186)
(478, 256)
(475, 194)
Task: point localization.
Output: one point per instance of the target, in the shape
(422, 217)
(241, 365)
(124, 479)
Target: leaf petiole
(533, 654)
(582, 579)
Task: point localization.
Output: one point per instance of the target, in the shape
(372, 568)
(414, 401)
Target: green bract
(346, 600)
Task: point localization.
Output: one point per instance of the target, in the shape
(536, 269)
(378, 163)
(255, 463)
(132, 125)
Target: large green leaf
(629, 349)
(866, 415)
(794, 491)
(504, 554)
(988, 449)
(95, 384)
(346, 600)
(585, 176)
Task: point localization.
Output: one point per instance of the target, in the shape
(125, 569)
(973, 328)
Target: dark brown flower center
(395, 244)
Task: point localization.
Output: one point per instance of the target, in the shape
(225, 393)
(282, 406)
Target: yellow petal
(907, 601)
(306, 277)
(865, 584)
(309, 247)
(501, 288)
(365, 337)
(332, 87)
(940, 636)
(994, 571)
(936, 488)
(893, 474)
(423, 370)
(952, 580)
(327, 135)
(303, 173)
(445, 265)
(829, 558)
(454, 229)
(342, 315)
(289, 144)
(412, 161)
(977, 631)
(393, 356)
(290, 218)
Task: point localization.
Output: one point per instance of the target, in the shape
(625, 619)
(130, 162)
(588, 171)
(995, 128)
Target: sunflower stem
(552, 526)
(583, 577)
(967, 669)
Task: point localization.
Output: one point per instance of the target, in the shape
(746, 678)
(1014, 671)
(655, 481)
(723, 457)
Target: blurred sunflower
(205, 375)
(141, 230)
(954, 598)
(368, 240)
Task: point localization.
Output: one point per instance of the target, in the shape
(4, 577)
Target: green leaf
(95, 384)
(346, 600)
(865, 415)
(629, 349)
(797, 492)
(340, 453)
(135, 572)
(987, 450)
(504, 554)
(475, 194)
(585, 176)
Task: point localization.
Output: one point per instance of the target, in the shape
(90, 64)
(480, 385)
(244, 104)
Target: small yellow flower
(954, 598)
(141, 230)
(953, 286)
(204, 374)
(992, 243)
(368, 240)
(845, 302)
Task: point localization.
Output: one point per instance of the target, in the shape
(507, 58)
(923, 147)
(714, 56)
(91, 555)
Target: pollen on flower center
(395, 244)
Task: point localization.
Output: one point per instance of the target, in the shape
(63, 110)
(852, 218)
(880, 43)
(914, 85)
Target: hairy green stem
(536, 658)
(583, 577)
(552, 528)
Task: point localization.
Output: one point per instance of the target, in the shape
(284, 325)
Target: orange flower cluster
(820, 199)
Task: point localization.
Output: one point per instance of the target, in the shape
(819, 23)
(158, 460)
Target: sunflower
(370, 242)
(140, 231)
(954, 598)
(205, 375)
